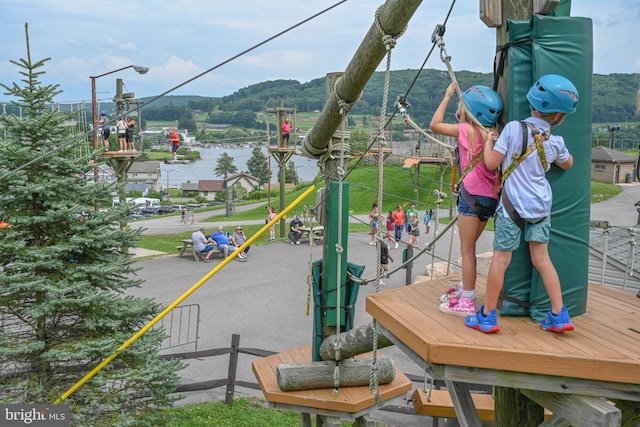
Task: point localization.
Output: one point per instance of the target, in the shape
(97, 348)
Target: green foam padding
(561, 45)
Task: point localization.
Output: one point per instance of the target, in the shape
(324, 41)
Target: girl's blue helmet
(553, 94)
(484, 104)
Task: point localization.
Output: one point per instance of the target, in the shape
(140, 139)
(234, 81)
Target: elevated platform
(409, 162)
(601, 358)
(120, 154)
(351, 402)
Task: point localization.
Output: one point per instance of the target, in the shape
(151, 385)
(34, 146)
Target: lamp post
(169, 193)
(140, 70)
(613, 129)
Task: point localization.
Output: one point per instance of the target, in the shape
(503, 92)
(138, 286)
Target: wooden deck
(349, 401)
(409, 162)
(601, 358)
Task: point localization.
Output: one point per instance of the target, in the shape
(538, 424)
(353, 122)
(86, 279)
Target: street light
(169, 193)
(140, 70)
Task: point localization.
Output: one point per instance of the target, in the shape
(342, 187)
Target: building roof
(210, 185)
(607, 155)
(246, 175)
(145, 167)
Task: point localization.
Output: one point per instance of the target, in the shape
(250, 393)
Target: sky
(181, 39)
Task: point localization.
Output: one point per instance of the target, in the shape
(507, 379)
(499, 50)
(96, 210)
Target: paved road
(265, 299)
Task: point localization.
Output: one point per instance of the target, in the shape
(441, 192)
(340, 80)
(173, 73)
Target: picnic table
(187, 245)
(313, 233)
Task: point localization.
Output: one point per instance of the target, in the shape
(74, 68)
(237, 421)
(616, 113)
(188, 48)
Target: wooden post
(356, 341)
(312, 375)
(233, 367)
(393, 17)
(512, 407)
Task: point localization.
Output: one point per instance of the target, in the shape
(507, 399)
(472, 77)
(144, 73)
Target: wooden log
(357, 341)
(353, 372)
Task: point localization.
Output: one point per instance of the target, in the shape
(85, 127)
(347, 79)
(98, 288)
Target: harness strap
(538, 139)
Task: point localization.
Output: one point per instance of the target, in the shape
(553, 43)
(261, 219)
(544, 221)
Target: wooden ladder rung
(442, 406)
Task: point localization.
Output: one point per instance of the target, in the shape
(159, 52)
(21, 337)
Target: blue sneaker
(487, 324)
(560, 322)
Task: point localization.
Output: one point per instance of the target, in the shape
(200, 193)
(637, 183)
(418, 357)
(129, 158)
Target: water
(176, 174)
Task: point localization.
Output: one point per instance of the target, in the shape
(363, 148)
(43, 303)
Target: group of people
(398, 221)
(224, 242)
(124, 129)
(524, 151)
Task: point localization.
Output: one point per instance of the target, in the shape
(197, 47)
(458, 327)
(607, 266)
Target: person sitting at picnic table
(201, 243)
(238, 240)
(294, 230)
(221, 239)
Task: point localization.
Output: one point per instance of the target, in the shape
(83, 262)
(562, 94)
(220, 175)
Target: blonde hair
(473, 129)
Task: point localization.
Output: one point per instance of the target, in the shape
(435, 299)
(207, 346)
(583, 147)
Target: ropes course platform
(567, 373)
(409, 162)
(349, 403)
(121, 154)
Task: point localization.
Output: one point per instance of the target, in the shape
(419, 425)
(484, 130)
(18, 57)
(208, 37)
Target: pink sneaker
(459, 307)
(453, 288)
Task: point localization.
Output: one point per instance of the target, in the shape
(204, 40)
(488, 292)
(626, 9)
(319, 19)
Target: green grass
(601, 191)
(243, 413)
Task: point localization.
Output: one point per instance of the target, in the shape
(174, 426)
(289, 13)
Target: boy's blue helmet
(104, 113)
(553, 94)
(484, 103)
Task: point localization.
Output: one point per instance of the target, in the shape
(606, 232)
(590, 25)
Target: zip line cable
(155, 98)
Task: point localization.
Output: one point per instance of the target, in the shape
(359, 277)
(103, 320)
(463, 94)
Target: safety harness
(538, 139)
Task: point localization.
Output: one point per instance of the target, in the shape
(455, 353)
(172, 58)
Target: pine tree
(224, 166)
(64, 276)
(258, 165)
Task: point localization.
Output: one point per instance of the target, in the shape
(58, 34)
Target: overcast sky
(180, 39)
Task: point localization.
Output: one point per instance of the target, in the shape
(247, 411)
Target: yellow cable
(184, 296)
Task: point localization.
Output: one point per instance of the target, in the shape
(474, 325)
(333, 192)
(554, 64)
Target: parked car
(164, 210)
(149, 210)
(177, 208)
(134, 216)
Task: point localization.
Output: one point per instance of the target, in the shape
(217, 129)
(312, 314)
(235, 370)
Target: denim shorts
(464, 208)
(507, 234)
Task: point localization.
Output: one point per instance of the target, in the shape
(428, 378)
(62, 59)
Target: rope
(344, 109)
(389, 43)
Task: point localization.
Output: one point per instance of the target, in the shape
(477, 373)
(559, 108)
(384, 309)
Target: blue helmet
(484, 104)
(553, 94)
(104, 113)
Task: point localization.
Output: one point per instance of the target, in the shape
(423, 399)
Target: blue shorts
(488, 203)
(507, 234)
(208, 248)
(374, 225)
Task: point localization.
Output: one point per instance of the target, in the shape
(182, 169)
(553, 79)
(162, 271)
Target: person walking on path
(391, 227)
(398, 220)
(477, 187)
(374, 222)
(525, 205)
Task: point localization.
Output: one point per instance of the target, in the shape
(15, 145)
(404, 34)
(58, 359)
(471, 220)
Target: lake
(177, 174)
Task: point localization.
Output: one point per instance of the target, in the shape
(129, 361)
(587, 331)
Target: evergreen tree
(258, 165)
(64, 276)
(291, 174)
(224, 166)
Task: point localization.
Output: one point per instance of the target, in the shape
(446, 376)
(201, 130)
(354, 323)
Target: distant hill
(614, 95)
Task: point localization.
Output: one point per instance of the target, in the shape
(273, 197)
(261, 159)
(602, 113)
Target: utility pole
(392, 18)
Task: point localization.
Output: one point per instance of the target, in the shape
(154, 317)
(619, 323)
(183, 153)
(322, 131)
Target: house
(147, 173)
(105, 173)
(243, 179)
(610, 166)
(206, 188)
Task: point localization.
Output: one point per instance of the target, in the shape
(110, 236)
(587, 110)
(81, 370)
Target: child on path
(385, 257)
(427, 220)
(374, 222)
(526, 197)
(478, 190)
(391, 227)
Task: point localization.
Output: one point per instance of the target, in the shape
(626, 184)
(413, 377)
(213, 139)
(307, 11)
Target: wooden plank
(604, 347)
(349, 400)
(441, 404)
(578, 410)
(463, 404)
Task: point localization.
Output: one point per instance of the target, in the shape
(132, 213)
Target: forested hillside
(614, 96)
